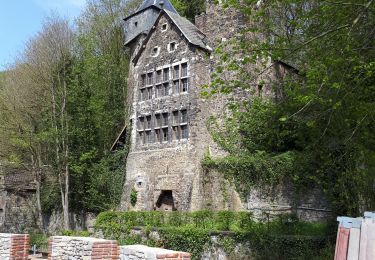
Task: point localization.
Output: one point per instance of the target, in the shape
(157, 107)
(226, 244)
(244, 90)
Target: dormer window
(164, 27)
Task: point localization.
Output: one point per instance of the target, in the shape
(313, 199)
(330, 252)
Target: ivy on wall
(236, 233)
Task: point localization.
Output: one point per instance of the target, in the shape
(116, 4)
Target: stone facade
(14, 247)
(139, 252)
(167, 167)
(171, 61)
(17, 199)
(85, 248)
(82, 248)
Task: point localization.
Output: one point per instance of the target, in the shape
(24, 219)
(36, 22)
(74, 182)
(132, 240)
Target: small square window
(136, 24)
(164, 27)
(172, 46)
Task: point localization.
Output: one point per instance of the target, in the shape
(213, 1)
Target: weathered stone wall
(82, 248)
(17, 199)
(14, 247)
(174, 165)
(139, 252)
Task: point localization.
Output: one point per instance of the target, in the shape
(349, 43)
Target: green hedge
(283, 238)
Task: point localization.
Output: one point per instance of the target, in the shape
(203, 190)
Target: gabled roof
(154, 4)
(189, 30)
(166, 5)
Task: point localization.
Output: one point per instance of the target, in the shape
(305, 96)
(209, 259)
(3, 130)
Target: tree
(324, 124)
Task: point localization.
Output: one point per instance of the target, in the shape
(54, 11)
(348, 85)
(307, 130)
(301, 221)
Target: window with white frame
(163, 127)
(166, 74)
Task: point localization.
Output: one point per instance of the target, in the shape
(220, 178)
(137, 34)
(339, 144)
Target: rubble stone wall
(14, 246)
(139, 252)
(82, 248)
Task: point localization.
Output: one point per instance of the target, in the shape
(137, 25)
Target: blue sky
(22, 19)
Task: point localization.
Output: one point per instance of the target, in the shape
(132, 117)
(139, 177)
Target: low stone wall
(14, 247)
(85, 248)
(139, 252)
(82, 248)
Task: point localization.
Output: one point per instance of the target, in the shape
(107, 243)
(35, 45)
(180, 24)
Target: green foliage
(133, 197)
(189, 8)
(191, 232)
(317, 129)
(39, 240)
(75, 233)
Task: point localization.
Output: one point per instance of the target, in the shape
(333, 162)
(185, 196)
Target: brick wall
(14, 246)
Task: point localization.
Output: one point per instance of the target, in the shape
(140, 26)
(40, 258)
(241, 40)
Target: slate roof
(154, 4)
(167, 5)
(190, 31)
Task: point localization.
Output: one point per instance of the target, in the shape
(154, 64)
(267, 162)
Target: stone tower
(171, 59)
(170, 63)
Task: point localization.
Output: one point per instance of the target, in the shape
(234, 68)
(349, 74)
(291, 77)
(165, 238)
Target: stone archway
(165, 201)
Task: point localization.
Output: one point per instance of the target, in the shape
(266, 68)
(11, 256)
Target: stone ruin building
(172, 59)
(17, 199)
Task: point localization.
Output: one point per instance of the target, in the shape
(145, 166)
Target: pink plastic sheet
(342, 243)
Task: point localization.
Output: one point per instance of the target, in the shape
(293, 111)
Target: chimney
(161, 4)
(201, 22)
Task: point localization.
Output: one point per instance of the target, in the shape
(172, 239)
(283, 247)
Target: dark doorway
(165, 201)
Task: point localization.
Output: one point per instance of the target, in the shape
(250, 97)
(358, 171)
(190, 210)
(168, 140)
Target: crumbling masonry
(172, 59)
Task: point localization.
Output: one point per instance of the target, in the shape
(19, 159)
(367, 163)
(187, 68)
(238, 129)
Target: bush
(283, 238)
